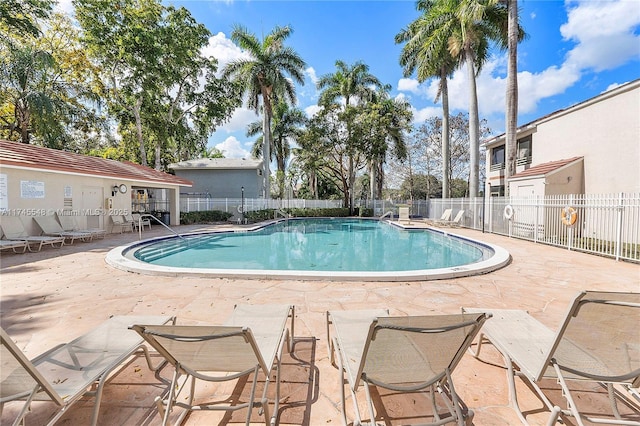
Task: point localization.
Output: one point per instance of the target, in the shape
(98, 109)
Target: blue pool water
(332, 245)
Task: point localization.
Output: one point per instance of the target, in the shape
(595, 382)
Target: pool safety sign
(4, 192)
(31, 189)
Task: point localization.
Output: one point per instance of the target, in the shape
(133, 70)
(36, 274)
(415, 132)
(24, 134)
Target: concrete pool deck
(53, 296)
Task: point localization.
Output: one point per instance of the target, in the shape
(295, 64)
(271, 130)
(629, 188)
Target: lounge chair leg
(372, 412)
(567, 395)
(342, 394)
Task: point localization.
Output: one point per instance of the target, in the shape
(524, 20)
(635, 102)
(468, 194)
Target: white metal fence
(605, 224)
(235, 205)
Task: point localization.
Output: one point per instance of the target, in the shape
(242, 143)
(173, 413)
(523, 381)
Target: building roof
(545, 168)
(25, 156)
(217, 164)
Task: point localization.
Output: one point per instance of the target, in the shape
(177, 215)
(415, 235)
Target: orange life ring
(569, 215)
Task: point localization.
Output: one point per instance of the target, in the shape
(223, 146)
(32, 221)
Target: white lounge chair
(453, 223)
(69, 223)
(18, 246)
(124, 225)
(67, 372)
(13, 230)
(50, 227)
(598, 341)
(251, 341)
(446, 216)
(403, 354)
(403, 215)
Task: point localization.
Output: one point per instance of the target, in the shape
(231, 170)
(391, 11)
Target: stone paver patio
(53, 296)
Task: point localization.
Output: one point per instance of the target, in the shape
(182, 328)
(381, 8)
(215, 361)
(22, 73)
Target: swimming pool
(340, 249)
(346, 249)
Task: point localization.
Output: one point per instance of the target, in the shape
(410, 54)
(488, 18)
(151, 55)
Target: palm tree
(263, 76)
(354, 84)
(481, 22)
(32, 103)
(286, 127)
(427, 52)
(511, 111)
(390, 118)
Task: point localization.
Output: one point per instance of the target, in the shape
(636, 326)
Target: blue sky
(576, 49)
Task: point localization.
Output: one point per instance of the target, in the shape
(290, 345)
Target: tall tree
(191, 101)
(385, 122)
(123, 36)
(481, 22)
(48, 88)
(21, 16)
(426, 52)
(352, 84)
(286, 127)
(263, 76)
(511, 110)
(158, 82)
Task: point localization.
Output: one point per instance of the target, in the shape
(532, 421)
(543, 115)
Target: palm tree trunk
(266, 153)
(511, 119)
(281, 175)
(446, 150)
(23, 118)
(474, 124)
(352, 182)
(136, 115)
(380, 176)
(372, 179)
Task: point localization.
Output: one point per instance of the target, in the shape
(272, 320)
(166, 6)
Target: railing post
(620, 208)
(536, 212)
(570, 228)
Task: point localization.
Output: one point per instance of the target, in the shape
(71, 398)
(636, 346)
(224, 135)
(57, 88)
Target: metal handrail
(281, 213)
(157, 220)
(387, 214)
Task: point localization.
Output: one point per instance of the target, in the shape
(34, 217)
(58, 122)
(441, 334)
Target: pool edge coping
(500, 259)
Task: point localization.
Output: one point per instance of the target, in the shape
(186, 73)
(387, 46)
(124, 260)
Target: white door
(92, 204)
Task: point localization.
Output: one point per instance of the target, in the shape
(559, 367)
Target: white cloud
(311, 72)
(604, 33)
(422, 115)
(312, 110)
(409, 85)
(232, 148)
(239, 121)
(605, 45)
(65, 7)
(223, 49)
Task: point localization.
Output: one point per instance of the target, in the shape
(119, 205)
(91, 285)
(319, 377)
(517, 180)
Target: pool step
(155, 252)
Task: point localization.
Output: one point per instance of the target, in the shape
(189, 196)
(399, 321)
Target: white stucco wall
(604, 130)
(606, 134)
(32, 192)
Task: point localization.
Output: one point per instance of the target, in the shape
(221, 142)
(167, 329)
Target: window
(497, 158)
(523, 155)
(497, 191)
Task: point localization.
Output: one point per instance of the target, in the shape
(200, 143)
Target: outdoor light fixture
(118, 188)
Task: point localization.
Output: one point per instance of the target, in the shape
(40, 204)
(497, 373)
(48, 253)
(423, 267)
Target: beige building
(592, 148)
(36, 181)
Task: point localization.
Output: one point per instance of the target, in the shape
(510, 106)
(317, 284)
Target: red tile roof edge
(545, 168)
(39, 158)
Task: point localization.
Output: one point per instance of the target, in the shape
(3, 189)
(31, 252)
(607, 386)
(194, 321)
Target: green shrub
(259, 215)
(319, 212)
(208, 216)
